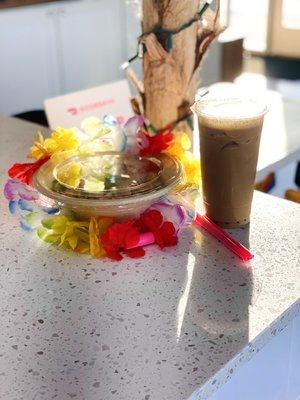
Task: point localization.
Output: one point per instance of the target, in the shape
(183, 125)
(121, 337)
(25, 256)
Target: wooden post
(171, 77)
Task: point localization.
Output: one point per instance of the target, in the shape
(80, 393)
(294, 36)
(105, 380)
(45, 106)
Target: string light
(166, 35)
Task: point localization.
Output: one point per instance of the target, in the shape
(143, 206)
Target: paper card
(69, 110)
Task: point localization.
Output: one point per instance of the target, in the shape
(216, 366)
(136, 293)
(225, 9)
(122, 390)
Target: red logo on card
(72, 111)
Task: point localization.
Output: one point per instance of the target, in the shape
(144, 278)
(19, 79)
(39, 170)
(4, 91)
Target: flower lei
(100, 236)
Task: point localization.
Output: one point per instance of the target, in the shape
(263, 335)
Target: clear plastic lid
(230, 112)
(110, 177)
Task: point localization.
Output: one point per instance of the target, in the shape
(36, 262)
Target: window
(248, 19)
(290, 16)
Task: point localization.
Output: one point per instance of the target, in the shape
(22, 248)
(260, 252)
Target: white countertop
(172, 326)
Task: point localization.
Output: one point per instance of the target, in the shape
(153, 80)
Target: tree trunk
(171, 77)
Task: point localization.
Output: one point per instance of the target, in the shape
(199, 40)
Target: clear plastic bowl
(108, 184)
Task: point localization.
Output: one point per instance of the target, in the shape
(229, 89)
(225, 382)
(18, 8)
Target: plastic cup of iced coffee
(230, 130)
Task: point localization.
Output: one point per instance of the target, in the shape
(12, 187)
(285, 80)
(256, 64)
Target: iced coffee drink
(230, 132)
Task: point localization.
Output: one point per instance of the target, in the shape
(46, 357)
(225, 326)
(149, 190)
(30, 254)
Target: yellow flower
(60, 140)
(65, 232)
(70, 174)
(97, 227)
(179, 148)
(61, 156)
(179, 145)
(191, 166)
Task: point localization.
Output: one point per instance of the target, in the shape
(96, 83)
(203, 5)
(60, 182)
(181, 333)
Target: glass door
(284, 28)
(249, 20)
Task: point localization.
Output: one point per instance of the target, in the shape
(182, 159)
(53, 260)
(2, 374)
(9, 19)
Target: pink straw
(233, 245)
(203, 222)
(145, 239)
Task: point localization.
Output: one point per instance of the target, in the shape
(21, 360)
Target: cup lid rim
(201, 113)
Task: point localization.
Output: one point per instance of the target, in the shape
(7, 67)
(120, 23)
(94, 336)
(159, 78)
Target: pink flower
(133, 124)
(174, 213)
(132, 129)
(14, 190)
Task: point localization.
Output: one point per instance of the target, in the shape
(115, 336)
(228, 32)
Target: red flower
(164, 231)
(156, 144)
(122, 237)
(24, 172)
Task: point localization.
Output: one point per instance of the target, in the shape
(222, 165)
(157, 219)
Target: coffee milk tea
(230, 131)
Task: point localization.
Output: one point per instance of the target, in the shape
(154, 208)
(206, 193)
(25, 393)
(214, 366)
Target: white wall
(272, 374)
(55, 48)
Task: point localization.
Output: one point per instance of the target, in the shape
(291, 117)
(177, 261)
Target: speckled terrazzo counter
(172, 326)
